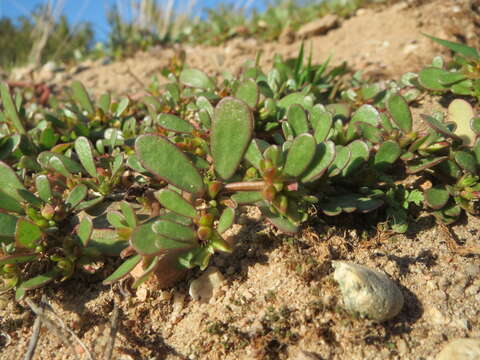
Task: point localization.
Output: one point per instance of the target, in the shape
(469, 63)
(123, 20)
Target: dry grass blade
(32, 345)
(57, 326)
(113, 332)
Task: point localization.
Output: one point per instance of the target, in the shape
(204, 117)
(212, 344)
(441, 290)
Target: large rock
(318, 27)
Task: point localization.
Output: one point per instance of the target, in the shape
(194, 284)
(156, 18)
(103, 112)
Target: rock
(202, 289)
(318, 27)
(367, 292)
(461, 349)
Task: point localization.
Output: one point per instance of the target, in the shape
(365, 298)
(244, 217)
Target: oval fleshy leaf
(226, 220)
(43, 188)
(81, 96)
(429, 78)
(231, 135)
(27, 234)
(367, 114)
(466, 161)
(322, 121)
(107, 242)
(196, 78)
(279, 221)
(370, 132)
(10, 204)
(173, 201)
(461, 113)
(173, 230)
(83, 147)
(247, 197)
(342, 157)
(123, 270)
(248, 92)
(436, 198)
(440, 127)
(18, 259)
(300, 155)
(10, 108)
(387, 154)
(116, 220)
(147, 272)
(9, 182)
(254, 153)
(76, 196)
(8, 224)
(421, 164)
(146, 242)
(360, 153)
(324, 155)
(165, 160)
(84, 230)
(400, 112)
(297, 118)
(129, 214)
(172, 122)
(40, 280)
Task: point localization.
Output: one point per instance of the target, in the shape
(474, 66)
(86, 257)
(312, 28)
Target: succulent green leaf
(387, 154)
(104, 103)
(9, 182)
(421, 164)
(440, 127)
(324, 155)
(10, 109)
(83, 147)
(342, 157)
(196, 78)
(76, 196)
(84, 230)
(322, 121)
(449, 168)
(461, 49)
(476, 151)
(466, 161)
(248, 92)
(436, 198)
(254, 153)
(461, 113)
(146, 242)
(48, 138)
(40, 280)
(278, 221)
(366, 205)
(10, 204)
(18, 259)
(300, 155)
(226, 220)
(43, 188)
(295, 98)
(122, 106)
(173, 230)
(163, 159)
(398, 108)
(247, 197)
(8, 224)
(174, 123)
(449, 214)
(360, 153)
(175, 202)
(429, 78)
(106, 241)
(287, 131)
(231, 135)
(116, 219)
(81, 96)
(129, 214)
(27, 234)
(297, 118)
(370, 132)
(89, 203)
(274, 154)
(123, 270)
(475, 125)
(331, 208)
(61, 163)
(179, 219)
(31, 198)
(366, 114)
(134, 163)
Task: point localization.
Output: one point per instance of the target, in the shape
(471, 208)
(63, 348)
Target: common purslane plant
(159, 181)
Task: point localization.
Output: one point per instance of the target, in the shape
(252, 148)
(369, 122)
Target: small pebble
(202, 289)
(461, 349)
(367, 292)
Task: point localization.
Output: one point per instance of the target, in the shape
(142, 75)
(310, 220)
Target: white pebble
(202, 289)
(461, 349)
(368, 293)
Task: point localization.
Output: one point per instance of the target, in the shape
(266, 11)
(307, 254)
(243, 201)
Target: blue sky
(94, 11)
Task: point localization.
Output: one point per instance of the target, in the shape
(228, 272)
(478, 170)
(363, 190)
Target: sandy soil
(278, 299)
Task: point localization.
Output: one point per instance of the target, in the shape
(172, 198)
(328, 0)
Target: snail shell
(366, 292)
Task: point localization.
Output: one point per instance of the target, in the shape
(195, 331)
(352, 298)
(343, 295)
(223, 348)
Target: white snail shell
(366, 292)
